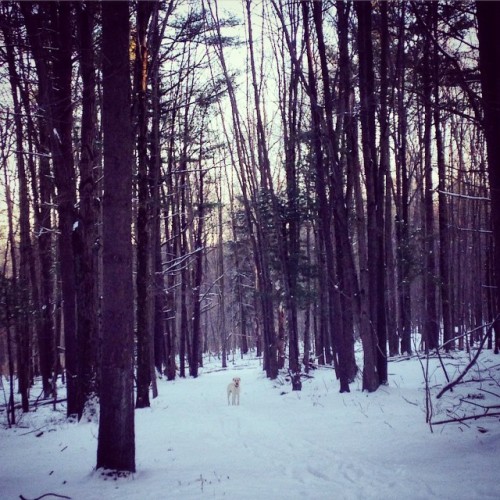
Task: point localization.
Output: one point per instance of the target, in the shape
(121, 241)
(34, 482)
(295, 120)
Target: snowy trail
(331, 452)
(278, 444)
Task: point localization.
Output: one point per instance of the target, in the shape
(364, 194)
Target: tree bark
(444, 233)
(431, 328)
(10, 287)
(116, 440)
(345, 273)
(266, 200)
(85, 233)
(43, 202)
(64, 174)
(383, 171)
(144, 246)
(374, 194)
(56, 127)
(488, 16)
(159, 334)
(172, 250)
(198, 270)
(403, 254)
(324, 213)
(22, 280)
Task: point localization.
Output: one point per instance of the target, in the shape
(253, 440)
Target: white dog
(233, 389)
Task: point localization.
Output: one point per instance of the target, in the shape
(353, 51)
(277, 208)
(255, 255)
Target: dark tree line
(175, 189)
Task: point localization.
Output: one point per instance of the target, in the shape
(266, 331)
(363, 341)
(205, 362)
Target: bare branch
(473, 361)
(463, 419)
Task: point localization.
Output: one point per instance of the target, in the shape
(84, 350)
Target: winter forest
(310, 183)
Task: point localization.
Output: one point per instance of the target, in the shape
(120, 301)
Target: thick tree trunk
(116, 440)
(488, 16)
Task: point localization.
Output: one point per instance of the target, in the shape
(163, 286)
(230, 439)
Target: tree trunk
(56, 128)
(382, 278)
(64, 174)
(22, 281)
(222, 280)
(291, 232)
(198, 271)
(43, 203)
(184, 350)
(345, 272)
(403, 253)
(324, 213)
(444, 233)
(144, 247)
(431, 328)
(258, 238)
(116, 440)
(160, 355)
(172, 232)
(266, 196)
(374, 201)
(360, 302)
(10, 291)
(488, 16)
(85, 234)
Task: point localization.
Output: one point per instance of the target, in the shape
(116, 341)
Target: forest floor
(278, 444)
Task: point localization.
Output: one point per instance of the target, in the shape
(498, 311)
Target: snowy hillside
(278, 444)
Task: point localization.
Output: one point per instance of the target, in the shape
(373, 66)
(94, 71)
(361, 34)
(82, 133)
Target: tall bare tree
(22, 280)
(488, 16)
(62, 21)
(85, 231)
(374, 189)
(144, 216)
(116, 440)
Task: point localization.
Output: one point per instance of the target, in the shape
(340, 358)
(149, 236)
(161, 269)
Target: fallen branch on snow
(463, 419)
(45, 495)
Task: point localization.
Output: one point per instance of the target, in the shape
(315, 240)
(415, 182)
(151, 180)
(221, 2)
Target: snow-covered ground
(278, 444)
